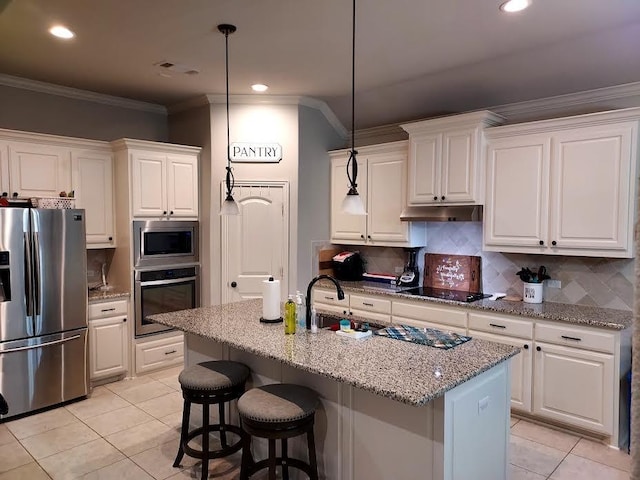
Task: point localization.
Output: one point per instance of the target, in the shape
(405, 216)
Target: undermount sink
(332, 322)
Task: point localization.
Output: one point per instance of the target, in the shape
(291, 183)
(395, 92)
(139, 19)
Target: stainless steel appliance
(162, 291)
(164, 243)
(410, 277)
(445, 294)
(43, 308)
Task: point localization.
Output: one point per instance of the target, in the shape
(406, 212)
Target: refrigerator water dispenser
(5, 277)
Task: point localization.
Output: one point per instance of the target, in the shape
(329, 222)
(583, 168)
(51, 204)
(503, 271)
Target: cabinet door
(4, 167)
(424, 169)
(149, 184)
(521, 368)
(574, 386)
(182, 185)
(347, 228)
(108, 347)
(517, 192)
(39, 170)
(591, 185)
(458, 166)
(386, 192)
(92, 180)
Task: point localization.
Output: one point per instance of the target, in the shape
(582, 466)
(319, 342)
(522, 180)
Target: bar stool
(278, 411)
(206, 384)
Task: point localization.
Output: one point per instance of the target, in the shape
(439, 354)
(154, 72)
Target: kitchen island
(390, 409)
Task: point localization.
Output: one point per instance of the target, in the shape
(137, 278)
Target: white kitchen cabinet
(159, 353)
(446, 158)
(327, 300)
(39, 170)
(108, 339)
(382, 187)
(4, 167)
(92, 182)
(451, 317)
(396, 320)
(563, 187)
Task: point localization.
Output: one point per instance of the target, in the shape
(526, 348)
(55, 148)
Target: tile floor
(129, 431)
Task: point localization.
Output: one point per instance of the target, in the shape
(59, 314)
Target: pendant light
(352, 203)
(229, 206)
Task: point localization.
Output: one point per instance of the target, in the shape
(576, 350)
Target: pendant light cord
(229, 179)
(352, 162)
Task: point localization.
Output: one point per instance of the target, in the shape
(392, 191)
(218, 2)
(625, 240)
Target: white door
(108, 347)
(458, 166)
(255, 243)
(92, 180)
(424, 169)
(182, 185)
(346, 228)
(39, 170)
(149, 184)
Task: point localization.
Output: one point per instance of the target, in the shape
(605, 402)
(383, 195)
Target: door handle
(367, 304)
(36, 271)
(40, 345)
(495, 325)
(575, 339)
(234, 284)
(28, 279)
(108, 310)
(170, 352)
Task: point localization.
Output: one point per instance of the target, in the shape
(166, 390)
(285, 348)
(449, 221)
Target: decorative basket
(54, 202)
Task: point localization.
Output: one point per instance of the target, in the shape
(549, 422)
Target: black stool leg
(247, 461)
(184, 432)
(205, 441)
(223, 434)
(285, 466)
(313, 464)
(272, 459)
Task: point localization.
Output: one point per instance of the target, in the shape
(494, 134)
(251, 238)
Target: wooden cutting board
(453, 272)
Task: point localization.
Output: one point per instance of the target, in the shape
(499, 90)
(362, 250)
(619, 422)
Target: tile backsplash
(603, 282)
(95, 259)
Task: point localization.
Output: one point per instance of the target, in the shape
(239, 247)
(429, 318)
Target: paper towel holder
(275, 320)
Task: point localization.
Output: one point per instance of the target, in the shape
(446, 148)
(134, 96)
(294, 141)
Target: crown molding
(211, 99)
(77, 94)
(381, 134)
(51, 140)
(133, 144)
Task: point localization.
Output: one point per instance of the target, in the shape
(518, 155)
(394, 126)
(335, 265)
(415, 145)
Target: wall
(601, 282)
(316, 138)
(40, 112)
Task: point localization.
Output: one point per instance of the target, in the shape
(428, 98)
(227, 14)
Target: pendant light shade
(352, 203)
(229, 206)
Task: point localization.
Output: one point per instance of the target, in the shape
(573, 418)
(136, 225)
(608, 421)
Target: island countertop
(406, 372)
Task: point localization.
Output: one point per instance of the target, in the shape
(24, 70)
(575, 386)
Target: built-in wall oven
(164, 243)
(162, 291)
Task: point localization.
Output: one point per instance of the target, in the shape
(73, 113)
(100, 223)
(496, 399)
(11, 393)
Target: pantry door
(255, 243)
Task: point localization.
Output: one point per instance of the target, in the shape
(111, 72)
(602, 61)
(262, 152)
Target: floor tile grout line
(593, 459)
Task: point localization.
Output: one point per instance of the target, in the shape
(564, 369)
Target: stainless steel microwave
(165, 243)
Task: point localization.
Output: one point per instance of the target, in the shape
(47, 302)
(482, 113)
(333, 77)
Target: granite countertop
(96, 296)
(561, 312)
(392, 368)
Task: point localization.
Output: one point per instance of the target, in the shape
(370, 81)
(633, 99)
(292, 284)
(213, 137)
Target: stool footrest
(222, 452)
(289, 462)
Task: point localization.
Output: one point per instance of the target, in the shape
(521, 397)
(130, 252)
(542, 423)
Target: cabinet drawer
(108, 309)
(383, 318)
(159, 354)
(420, 311)
(422, 324)
(501, 325)
(330, 297)
(589, 339)
(371, 304)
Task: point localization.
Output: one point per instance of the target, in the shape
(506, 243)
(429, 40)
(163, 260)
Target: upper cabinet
(564, 186)
(164, 178)
(446, 159)
(39, 169)
(382, 187)
(92, 181)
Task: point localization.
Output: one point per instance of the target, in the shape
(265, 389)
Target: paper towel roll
(271, 299)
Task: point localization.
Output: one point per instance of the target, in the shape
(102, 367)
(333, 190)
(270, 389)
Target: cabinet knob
(554, 243)
(124, 319)
(171, 212)
(15, 194)
(541, 242)
(369, 237)
(361, 236)
(442, 197)
(234, 284)
(526, 346)
(110, 238)
(164, 212)
(538, 349)
(435, 197)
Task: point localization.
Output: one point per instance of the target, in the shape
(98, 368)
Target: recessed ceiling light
(61, 32)
(259, 87)
(513, 6)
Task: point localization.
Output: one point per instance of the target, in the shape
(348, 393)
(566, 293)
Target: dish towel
(424, 336)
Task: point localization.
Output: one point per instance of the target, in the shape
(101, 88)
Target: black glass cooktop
(455, 295)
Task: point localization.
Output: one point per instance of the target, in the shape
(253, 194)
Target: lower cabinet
(161, 353)
(108, 340)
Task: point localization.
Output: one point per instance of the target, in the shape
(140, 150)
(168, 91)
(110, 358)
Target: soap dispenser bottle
(290, 316)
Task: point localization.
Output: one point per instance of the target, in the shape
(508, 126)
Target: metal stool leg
(205, 441)
(184, 432)
(223, 433)
(285, 459)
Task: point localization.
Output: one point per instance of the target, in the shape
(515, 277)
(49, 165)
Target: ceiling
(414, 58)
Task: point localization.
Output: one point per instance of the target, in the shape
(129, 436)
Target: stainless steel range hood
(461, 213)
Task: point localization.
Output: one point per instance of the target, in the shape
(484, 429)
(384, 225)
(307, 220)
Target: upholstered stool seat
(278, 411)
(210, 383)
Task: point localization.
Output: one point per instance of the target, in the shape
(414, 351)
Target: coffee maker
(410, 277)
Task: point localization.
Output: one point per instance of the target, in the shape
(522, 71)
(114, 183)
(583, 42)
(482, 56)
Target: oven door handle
(167, 282)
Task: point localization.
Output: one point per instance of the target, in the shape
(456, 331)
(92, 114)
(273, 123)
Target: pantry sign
(241, 152)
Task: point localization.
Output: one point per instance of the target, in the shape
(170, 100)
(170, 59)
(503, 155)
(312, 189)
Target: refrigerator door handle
(28, 276)
(36, 272)
(40, 345)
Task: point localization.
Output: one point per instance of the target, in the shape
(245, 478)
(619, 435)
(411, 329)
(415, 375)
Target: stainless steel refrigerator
(43, 308)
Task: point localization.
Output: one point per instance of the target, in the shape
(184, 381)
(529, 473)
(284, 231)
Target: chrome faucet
(311, 283)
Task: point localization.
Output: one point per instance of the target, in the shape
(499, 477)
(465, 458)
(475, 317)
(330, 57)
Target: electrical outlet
(553, 283)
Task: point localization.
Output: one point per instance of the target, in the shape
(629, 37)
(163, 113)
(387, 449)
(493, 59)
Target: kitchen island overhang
(390, 409)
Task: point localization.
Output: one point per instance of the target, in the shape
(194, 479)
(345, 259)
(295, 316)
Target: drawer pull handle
(329, 298)
(495, 325)
(170, 352)
(576, 339)
(108, 310)
(367, 304)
